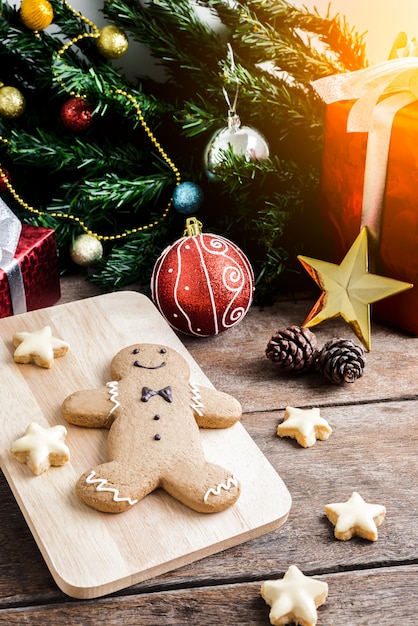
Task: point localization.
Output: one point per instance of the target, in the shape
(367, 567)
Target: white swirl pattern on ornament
(232, 274)
(217, 278)
(185, 244)
(217, 246)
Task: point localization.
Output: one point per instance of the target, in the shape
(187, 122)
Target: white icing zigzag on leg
(196, 397)
(100, 487)
(113, 390)
(231, 482)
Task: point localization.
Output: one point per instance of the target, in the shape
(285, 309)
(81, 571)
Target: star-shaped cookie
(355, 517)
(294, 598)
(304, 425)
(41, 447)
(38, 346)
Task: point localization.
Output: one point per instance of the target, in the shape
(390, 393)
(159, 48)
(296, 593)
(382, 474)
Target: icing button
(157, 417)
(157, 437)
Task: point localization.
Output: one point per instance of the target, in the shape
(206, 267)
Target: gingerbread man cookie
(153, 414)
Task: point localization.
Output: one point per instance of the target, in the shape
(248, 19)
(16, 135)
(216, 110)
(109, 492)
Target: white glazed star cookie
(38, 347)
(355, 517)
(41, 447)
(295, 598)
(304, 425)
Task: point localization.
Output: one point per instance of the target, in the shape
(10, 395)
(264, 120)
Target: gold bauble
(112, 42)
(36, 14)
(12, 102)
(86, 250)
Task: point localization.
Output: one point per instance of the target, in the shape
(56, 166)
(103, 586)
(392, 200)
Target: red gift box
(348, 203)
(36, 254)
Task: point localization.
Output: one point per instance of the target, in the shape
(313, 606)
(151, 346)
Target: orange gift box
(394, 252)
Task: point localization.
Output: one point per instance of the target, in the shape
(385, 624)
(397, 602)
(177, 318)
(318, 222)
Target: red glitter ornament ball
(4, 178)
(203, 283)
(76, 114)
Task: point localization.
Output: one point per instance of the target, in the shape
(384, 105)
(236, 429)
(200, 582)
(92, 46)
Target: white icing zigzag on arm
(231, 482)
(196, 397)
(113, 390)
(100, 487)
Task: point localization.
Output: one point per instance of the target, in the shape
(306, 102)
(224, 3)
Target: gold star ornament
(349, 289)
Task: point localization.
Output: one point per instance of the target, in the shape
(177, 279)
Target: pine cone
(293, 349)
(341, 361)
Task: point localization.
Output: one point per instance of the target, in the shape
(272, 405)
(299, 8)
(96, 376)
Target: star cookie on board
(295, 598)
(304, 425)
(355, 517)
(41, 447)
(38, 347)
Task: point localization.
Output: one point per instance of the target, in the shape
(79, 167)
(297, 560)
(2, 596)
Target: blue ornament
(187, 198)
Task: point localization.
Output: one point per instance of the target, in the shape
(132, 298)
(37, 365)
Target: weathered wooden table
(372, 450)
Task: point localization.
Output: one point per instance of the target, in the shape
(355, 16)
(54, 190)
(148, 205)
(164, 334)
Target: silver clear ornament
(242, 140)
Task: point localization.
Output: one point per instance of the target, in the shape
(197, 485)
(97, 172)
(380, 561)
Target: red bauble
(202, 284)
(4, 178)
(76, 114)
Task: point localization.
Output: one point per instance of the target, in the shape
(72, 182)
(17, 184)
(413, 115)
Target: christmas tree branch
(171, 29)
(114, 177)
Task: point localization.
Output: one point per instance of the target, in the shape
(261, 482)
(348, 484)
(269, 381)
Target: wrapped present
(370, 172)
(29, 277)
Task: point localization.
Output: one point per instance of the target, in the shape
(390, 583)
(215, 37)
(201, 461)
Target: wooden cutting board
(90, 553)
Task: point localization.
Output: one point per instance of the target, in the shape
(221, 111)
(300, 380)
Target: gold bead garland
(76, 219)
(95, 34)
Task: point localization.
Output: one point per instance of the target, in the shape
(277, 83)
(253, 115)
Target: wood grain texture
(373, 597)
(103, 553)
(372, 449)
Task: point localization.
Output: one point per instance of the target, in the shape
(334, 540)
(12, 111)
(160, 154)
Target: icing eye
(136, 351)
(163, 351)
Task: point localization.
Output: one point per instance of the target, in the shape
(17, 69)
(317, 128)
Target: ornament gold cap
(193, 227)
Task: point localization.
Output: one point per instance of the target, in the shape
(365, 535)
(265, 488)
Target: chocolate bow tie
(165, 393)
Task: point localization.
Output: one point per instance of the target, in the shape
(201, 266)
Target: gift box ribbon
(10, 228)
(397, 79)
